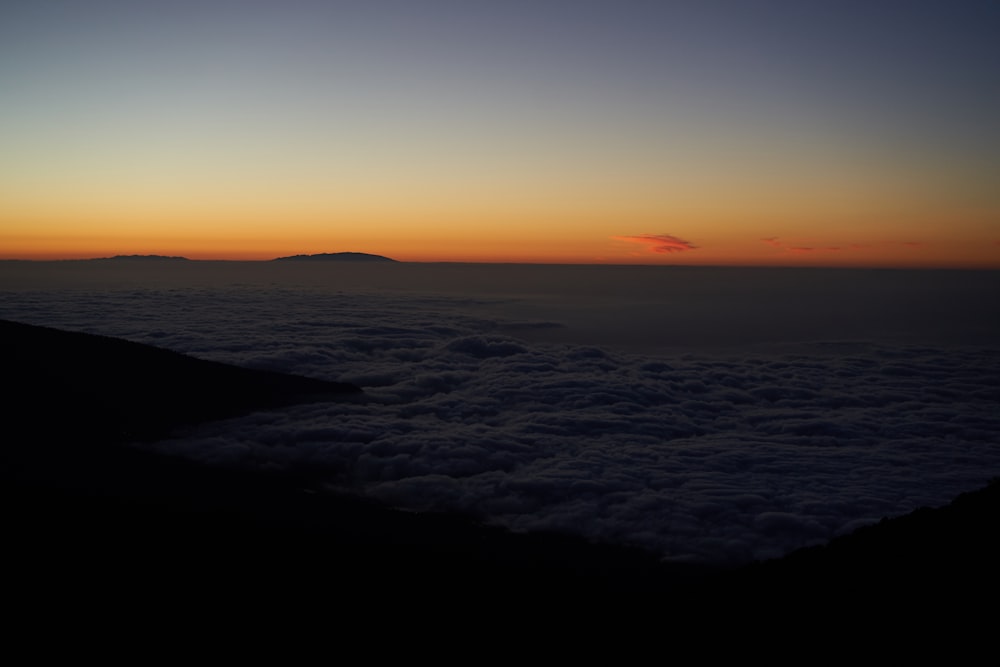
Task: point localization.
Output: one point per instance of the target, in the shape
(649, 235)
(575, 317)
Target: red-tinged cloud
(807, 249)
(773, 241)
(661, 243)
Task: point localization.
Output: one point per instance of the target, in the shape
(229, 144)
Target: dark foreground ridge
(79, 495)
(86, 514)
(335, 257)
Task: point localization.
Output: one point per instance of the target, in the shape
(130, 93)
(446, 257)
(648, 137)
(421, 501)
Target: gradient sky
(710, 132)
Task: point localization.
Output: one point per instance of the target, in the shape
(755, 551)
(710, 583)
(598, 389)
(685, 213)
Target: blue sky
(514, 126)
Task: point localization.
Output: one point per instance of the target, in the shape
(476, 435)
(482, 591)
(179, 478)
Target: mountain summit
(336, 257)
(140, 258)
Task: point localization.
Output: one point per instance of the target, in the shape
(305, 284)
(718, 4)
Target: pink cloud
(773, 241)
(661, 243)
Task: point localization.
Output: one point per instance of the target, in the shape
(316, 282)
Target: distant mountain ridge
(142, 258)
(336, 257)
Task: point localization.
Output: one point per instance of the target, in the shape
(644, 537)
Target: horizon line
(166, 258)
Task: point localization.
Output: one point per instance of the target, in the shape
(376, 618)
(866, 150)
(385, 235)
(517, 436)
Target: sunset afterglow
(786, 133)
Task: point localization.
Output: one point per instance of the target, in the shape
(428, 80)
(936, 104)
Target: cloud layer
(701, 455)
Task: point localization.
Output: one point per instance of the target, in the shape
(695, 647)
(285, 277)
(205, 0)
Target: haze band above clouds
(699, 456)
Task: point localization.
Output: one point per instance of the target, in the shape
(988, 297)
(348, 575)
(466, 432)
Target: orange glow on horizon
(749, 252)
(427, 136)
(634, 222)
(560, 237)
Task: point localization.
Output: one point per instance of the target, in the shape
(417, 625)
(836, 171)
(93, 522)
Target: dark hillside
(79, 496)
(87, 515)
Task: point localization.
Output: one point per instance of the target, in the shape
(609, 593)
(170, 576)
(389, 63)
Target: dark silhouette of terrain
(141, 258)
(89, 513)
(335, 257)
(105, 390)
(79, 494)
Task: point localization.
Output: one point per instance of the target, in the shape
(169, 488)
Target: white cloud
(698, 454)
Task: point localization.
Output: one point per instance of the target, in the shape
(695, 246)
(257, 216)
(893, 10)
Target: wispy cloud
(773, 241)
(802, 249)
(661, 243)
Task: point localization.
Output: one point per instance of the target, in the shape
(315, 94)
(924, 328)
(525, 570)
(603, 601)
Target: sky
(718, 132)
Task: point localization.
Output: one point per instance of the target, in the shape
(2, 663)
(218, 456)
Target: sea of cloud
(520, 405)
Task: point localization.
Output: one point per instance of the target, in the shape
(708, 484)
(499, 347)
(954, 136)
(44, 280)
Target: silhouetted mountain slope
(335, 257)
(111, 390)
(78, 496)
(949, 554)
(86, 515)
